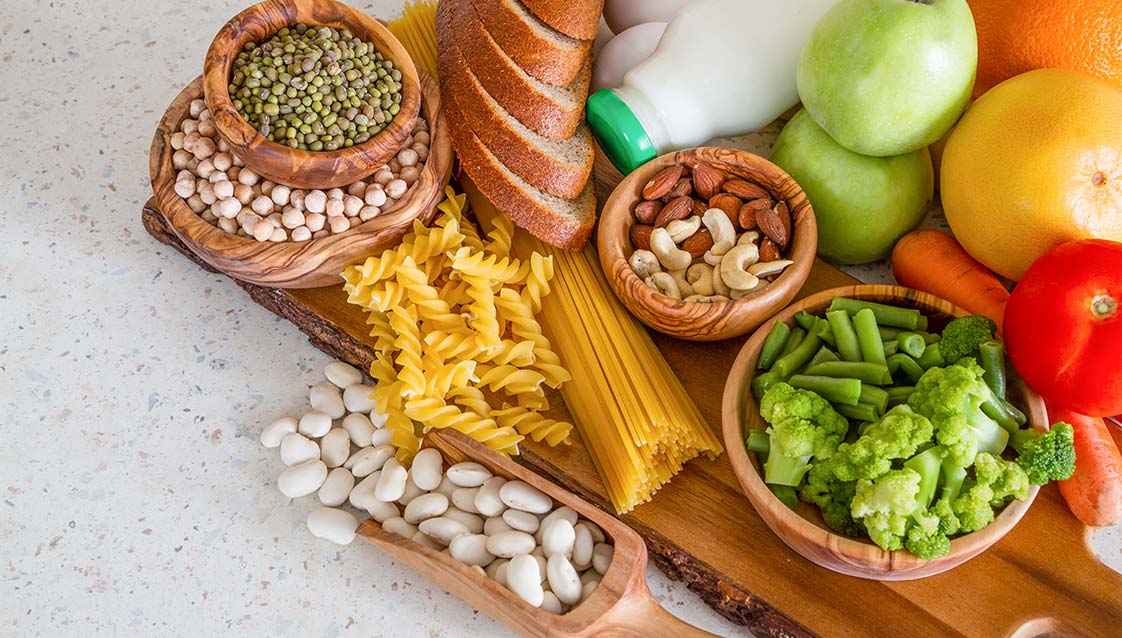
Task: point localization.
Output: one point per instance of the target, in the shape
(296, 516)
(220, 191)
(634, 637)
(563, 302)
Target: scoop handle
(638, 615)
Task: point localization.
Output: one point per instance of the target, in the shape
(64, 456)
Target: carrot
(1094, 492)
(933, 262)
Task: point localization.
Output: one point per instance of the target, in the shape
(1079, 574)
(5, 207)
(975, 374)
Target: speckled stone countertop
(135, 499)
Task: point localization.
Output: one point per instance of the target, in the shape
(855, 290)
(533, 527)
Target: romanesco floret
(926, 538)
(973, 509)
(952, 397)
(833, 497)
(1005, 478)
(896, 435)
(803, 426)
(885, 506)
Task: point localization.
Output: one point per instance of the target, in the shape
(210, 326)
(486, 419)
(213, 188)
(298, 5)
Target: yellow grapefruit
(1035, 162)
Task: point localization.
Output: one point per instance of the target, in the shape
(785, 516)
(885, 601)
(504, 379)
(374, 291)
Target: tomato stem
(1104, 306)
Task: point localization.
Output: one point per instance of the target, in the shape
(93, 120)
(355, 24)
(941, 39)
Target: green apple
(886, 77)
(863, 204)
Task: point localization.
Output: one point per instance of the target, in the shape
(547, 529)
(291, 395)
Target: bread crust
(575, 18)
(544, 52)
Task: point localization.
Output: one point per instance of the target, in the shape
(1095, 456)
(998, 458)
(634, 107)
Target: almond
(641, 236)
(646, 212)
(729, 204)
(768, 250)
(748, 212)
(679, 208)
(662, 182)
(744, 189)
(684, 188)
(699, 207)
(776, 224)
(698, 243)
(707, 181)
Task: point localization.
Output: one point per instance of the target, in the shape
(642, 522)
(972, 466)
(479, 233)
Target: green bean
(848, 347)
(1014, 411)
(764, 381)
(921, 323)
(823, 355)
(899, 394)
(903, 363)
(874, 395)
(911, 344)
(790, 363)
(861, 411)
(786, 495)
(758, 441)
(996, 411)
(888, 334)
(865, 372)
(823, 331)
(773, 345)
(893, 316)
(932, 357)
(845, 391)
(805, 320)
(889, 347)
(793, 340)
(991, 356)
(865, 323)
(930, 337)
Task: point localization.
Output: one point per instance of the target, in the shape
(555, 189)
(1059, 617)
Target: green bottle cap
(618, 131)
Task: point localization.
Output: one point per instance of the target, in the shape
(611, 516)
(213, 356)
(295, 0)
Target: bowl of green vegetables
(879, 433)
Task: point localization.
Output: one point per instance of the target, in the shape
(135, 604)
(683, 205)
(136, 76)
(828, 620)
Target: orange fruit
(1035, 162)
(1015, 36)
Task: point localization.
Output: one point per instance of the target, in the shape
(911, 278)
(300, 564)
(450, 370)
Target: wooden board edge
(727, 599)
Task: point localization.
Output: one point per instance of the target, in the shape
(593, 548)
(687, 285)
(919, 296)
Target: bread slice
(574, 18)
(556, 167)
(566, 223)
(542, 51)
(552, 111)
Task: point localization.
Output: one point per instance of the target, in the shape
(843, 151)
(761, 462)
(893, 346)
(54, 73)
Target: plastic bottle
(624, 14)
(623, 53)
(722, 68)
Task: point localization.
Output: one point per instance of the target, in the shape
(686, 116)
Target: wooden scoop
(620, 606)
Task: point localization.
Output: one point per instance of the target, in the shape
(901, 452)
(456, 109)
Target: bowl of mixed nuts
(706, 243)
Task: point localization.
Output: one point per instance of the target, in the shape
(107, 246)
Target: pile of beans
(224, 192)
(507, 530)
(315, 88)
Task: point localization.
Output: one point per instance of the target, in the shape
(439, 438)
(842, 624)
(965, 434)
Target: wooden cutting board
(1041, 578)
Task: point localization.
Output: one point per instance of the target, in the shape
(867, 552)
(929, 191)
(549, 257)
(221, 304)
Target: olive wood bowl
(702, 321)
(803, 530)
(312, 263)
(280, 163)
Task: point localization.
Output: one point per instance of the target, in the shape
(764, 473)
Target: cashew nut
(668, 254)
(765, 268)
(713, 259)
(719, 286)
(737, 294)
(680, 229)
(700, 277)
(644, 263)
(684, 286)
(722, 230)
(707, 298)
(734, 267)
(749, 237)
(665, 284)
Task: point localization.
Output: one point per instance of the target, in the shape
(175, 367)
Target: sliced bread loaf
(541, 50)
(559, 168)
(552, 111)
(575, 18)
(562, 222)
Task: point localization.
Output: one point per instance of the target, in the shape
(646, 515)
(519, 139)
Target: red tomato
(1063, 326)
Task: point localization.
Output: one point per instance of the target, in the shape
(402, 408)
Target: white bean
(411, 492)
(551, 604)
(488, 501)
(559, 538)
(314, 424)
(422, 538)
(303, 479)
(495, 525)
(564, 512)
(359, 428)
(602, 557)
(369, 460)
(273, 433)
(426, 506)
(332, 524)
(521, 521)
(357, 398)
(426, 469)
(468, 474)
(463, 497)
(582, 547)
(594, 529)
(296, 449)
(342, 374)
(325, 397)
(492, 570)
(587, 589)
(391, 485)
(471, 549)
(444, 529)
(335, 447)
(381, 436)
(471, 521)
(563, 579)
(377, 419)
(510, 543)
(522, 579)
(380, 511)
(336, 487)
(399, 526)
(523, 496)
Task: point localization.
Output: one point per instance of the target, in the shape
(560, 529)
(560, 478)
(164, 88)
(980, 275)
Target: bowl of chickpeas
(310, 93)
(275, 233)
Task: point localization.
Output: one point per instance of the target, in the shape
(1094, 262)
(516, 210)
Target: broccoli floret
(952, 397)
(962, 337)
(973, 509)
(1046, 457)
(896, 435)
(925, 537)
(833, 497)
(885, 506)
(803, 426)
(1005, 478)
